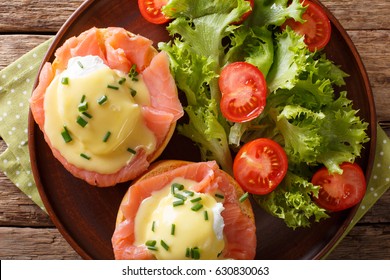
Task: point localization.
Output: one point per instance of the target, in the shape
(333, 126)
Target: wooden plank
(379, 213)
(38, 244)
(32, 16)
(48, 16)
(14, 46)
(364, 242)
(375, 53)
(43, 243)
(352, 13)
(16, 209)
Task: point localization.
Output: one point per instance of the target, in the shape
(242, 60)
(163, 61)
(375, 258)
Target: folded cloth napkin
(16, 82)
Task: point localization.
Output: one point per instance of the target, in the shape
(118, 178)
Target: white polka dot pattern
(16, 83)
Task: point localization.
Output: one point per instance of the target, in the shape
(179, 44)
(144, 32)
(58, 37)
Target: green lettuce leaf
(290, 60)
(253, 45)
(291, 201)
(268, 12)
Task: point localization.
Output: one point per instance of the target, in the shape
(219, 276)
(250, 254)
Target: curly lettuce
(291, 201)
(315, 124)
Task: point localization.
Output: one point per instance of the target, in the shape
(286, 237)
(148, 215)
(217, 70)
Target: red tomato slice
(244, 92)
(247, 14)
(260, 166)
(340, 191)
(151, 10)
(316, 28)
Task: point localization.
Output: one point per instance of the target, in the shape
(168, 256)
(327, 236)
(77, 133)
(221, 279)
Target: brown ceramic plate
(85, 215)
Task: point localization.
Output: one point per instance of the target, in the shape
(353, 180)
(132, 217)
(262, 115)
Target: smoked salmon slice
(239, 229)
(120, 50)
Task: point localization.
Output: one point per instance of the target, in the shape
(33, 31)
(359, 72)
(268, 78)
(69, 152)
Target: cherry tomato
(340, 191)
(316, 28)
(244, 92)
(247, 14)
(260, 166)
(151, 10)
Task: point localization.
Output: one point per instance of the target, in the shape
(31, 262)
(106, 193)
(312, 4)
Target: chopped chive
(122, 80)
(87, 115)
(195, 253)
(152, 248)
(189, 193)
(83, 106)
(65, 81)
(102, 99)
(82, 98)
(81, 121)
(105, 138)
(178, 186)
(151, 243)
(219, 195)
(133, 73)
(153, 225)
(188, 252)
(65, 134)
(85, 156)
(179, 196)
(173, 228)
(130, 150)
(178, 202)
(133, 92)
(164, 245)
(219, 254)
(197, 207)
(80, 64)
(243, 197)
(206, 215)
(196, 199)
(112, 87)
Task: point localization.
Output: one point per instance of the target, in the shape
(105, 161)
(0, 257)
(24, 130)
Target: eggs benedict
(185, 210)
(107, 105)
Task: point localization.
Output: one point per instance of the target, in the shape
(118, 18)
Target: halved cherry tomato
(246, 15)
(316, 28)
(340, 191)
(151, 10)
(260, 166)
(244, 92)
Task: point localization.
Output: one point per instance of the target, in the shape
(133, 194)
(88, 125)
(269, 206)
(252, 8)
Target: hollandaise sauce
(93, 115)
(178, 223)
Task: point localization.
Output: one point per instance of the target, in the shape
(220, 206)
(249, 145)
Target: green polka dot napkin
(16, 82)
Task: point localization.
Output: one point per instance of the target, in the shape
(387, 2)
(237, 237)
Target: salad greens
(315, 125)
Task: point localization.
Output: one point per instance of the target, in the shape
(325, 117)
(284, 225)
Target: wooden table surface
(26, 232)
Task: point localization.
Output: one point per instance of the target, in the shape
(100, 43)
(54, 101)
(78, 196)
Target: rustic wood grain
(364, 242)
(13, 46)
(16, 209)
(358, 14)
(26, 232)
(375, 53)
(47, 16)
(32, 16)
(38, 244)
